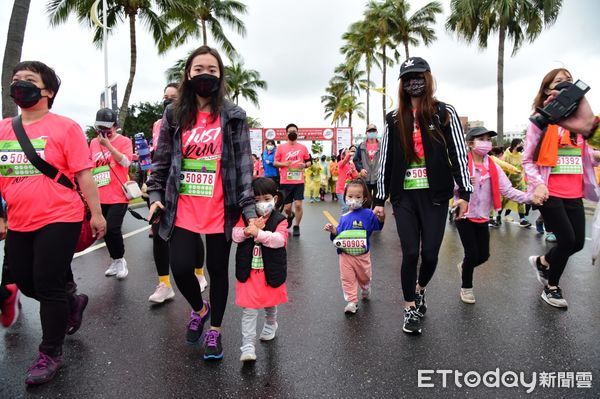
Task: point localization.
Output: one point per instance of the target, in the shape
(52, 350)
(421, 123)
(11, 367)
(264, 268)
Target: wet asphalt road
(129, 349)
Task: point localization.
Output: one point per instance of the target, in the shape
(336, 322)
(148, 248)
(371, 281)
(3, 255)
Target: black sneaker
(541, 272)
(78, 305)
(525, 223)
(196, 324)
(498, 220)
(213, 350)
(420, 303)
(296, 231)
(553, 297)
(412, 321)
(290, 219)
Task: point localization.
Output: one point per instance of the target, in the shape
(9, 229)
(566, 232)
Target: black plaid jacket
(236, 170)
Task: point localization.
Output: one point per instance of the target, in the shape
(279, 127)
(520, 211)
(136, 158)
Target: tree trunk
(204, 40)
(368, 89)
(125, 104)
(500, 109)
(383, 97)
(406, 49)
(350, 118)
(12, 52)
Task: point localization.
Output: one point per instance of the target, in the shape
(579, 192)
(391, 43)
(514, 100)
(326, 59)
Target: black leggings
(475, 238)
(114, 215)
(160, 250)
(566, 219)
(38, 261)
(373, 191)
(421, 225)
(185, 248)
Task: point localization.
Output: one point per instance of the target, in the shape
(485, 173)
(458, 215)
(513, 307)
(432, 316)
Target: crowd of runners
(206, 191)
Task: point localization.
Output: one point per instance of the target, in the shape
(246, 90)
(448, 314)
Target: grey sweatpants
(249, 317)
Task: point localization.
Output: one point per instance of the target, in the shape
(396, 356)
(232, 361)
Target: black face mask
(25, 94)
(292, 136)
(414, 87)
(520, 149)
(167, 101)
(205, 85)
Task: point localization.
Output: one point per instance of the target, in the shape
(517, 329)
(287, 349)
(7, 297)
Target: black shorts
(292, 192)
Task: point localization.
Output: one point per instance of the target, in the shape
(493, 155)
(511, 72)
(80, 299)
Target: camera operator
(559, 168)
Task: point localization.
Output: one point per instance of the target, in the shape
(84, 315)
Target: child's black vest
(274, 259)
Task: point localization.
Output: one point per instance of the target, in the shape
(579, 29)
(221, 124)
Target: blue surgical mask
(371, 135)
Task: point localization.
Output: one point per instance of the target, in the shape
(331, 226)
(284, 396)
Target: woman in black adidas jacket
(423, 155)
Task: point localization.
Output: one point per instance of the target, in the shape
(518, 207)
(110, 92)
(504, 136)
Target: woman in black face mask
(45, 215)
(423, 154)
(202, 173)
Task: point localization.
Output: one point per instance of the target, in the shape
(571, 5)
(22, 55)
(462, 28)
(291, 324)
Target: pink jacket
(275, 239)
(539, 174)
(481, 201)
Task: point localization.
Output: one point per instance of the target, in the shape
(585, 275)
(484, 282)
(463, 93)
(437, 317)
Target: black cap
(106, 117)
(413, 64)
(479, 131)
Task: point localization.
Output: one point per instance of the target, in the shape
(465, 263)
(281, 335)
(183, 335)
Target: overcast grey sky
(295, 46)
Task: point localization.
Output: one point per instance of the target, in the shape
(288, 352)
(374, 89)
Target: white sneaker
(248, 353)
(202, 281)
(162, 294)
(112, 269)
(466, 295)
(122, 271)
(366, 293)
(351, 307)
(268, 332)
(459, 266)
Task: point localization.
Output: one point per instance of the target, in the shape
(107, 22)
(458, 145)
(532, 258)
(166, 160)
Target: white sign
(256, 141)
(344, 137)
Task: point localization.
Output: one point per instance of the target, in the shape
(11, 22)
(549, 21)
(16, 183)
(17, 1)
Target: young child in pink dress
(261, 266)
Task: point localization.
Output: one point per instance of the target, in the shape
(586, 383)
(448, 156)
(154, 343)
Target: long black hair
(186, 106)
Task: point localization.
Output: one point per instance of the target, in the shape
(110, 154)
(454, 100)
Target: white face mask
(269, 147)
(354, 204)
(265, 207)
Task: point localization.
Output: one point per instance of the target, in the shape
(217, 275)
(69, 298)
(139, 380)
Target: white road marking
(103, 244)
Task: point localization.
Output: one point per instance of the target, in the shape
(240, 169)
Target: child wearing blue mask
(351, 238)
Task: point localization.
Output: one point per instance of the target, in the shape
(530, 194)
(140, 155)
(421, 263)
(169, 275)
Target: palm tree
(380, 18)
(243, 82)
(332, 100)
(208, 14)
(348, 105)
(360, 43)
(517, 20)
(353, 79)
(411, 30)
(12, 52)
(121, 10)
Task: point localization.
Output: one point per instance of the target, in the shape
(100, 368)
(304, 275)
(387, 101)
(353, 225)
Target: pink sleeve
(76, 150)
(592, 154)
(508, 191)
(275, 239)
(237, 235)
(127, 149)
(278, 155)
(532, 171)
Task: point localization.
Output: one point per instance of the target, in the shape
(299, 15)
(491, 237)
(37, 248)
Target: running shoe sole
(213, 357)
(417, 332)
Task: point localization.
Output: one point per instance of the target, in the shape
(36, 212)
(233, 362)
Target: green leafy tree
(411, 30)
(147, 11)
(360, 46)
(381, 19)
(516, 20)
(243, 82)
(331, 101)
(141, 118)
(12, 52)
(208, 15)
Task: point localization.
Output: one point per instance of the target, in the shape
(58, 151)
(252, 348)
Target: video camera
(562, 106)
